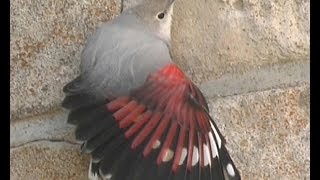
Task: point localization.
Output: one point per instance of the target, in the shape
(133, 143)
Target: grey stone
(51, 127)
(211, 38)
(267, 132)
(46, 41)
(275, 76)
(48, 160)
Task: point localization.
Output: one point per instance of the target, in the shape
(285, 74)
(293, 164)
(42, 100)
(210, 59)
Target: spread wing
(162, 130)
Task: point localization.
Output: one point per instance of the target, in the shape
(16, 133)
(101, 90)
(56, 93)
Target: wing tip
(93, 173)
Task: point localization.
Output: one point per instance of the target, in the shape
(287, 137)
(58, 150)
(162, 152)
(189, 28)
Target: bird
(135, 112)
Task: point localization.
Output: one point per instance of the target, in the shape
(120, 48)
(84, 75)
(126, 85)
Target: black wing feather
(111, 150)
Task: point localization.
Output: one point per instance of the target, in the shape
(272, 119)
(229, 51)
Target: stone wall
(249, 57)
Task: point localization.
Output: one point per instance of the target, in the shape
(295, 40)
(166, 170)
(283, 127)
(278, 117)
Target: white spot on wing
(107, 177)
(183, 156)
(230, 170)
(195, 156)
(92, 176)
(216, 135)
(213, 146)
(168, 156)
(207, 158)
(156, 144)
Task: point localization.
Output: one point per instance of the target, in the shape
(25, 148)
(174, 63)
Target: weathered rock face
(267, 132)
(48, 160)
(250, 57)
(216, 37)
(46, 41)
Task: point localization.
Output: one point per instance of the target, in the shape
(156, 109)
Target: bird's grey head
(156, 16)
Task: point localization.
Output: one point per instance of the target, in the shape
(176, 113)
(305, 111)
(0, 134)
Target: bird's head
(156, 16)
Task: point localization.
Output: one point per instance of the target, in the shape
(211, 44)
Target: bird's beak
(170, 3)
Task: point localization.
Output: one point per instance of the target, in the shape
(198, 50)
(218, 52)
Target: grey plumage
(120, 54)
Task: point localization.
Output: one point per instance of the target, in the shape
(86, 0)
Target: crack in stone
(280, 86)
(121, 6)
(43, 140)
(214, 98)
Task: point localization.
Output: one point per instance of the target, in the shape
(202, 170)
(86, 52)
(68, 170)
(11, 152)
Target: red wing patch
(168, 101)
(162, 130)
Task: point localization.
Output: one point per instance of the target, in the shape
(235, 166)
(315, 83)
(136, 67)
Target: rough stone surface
(267, 132)
(46, 41)
(51, 127)
(48, 161)
(216, 37)
(275, 76)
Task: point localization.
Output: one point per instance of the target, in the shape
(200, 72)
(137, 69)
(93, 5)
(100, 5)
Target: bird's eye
(161, 15)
